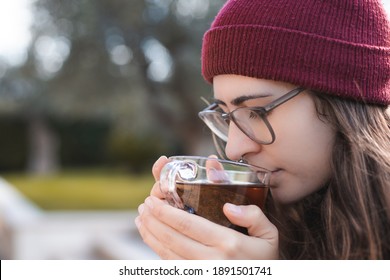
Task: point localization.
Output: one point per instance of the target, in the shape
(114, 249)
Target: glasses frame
(262, 111)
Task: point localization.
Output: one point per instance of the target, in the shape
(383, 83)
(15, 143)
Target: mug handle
(173, 170)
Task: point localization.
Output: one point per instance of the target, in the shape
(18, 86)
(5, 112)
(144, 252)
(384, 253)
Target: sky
(15, 21)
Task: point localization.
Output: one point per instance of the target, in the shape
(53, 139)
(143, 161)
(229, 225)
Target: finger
(264, 234)
(193, 237)
(157, 166)
(156, 190)
(148, 236)
(166, 240)
(233, 245)
(157, 246)
(193, 226)
(252, 218)
(215, 170)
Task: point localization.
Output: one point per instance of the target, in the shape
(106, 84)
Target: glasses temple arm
(283, 99)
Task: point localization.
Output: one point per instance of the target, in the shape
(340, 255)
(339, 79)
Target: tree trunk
(43, 147)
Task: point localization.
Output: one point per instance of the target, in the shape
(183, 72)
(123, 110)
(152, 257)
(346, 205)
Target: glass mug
(202, 185)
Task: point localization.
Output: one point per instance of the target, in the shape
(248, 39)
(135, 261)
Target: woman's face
(300, 156)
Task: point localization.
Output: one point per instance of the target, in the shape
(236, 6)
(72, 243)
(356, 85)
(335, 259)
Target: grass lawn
(88, 190)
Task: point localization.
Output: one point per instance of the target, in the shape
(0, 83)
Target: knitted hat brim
(315, 62)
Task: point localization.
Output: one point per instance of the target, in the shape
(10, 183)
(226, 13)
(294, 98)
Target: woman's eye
(220, 110)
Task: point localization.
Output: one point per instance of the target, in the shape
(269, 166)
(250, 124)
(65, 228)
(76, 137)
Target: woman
(301, 88)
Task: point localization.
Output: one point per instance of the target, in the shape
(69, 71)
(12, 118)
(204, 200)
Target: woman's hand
(156, 170)
(175, 234)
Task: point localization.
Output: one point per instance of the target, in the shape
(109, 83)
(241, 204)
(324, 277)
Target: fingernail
(234, 209)
(217, 175)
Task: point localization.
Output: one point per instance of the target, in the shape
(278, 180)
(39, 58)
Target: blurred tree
(135, 64)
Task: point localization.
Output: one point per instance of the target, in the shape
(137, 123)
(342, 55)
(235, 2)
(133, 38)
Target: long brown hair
(349, 218)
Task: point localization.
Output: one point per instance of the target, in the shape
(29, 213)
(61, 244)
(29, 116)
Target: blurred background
(92, 92)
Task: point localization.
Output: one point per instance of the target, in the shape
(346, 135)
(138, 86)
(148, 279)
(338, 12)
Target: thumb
(252, 218)
(157, 166)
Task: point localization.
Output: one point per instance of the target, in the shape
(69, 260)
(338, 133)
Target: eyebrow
(241, 99)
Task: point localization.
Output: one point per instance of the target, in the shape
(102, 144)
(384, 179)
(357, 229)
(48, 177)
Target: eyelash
(220, 110)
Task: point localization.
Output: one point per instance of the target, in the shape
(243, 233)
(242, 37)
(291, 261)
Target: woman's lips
(276, 171)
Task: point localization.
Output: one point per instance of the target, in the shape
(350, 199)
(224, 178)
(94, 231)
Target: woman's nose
(239, 144)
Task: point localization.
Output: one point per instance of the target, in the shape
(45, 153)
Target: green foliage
(136, 152)
(13, 144)
(93, 60)
(84, 190)
(82, 142)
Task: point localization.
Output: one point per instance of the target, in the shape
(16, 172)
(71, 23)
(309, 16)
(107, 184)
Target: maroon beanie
(341, 47)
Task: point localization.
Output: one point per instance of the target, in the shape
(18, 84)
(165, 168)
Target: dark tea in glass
(202, 185)
(214, 196)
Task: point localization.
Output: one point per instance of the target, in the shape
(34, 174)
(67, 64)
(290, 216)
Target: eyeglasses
(252, 121)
